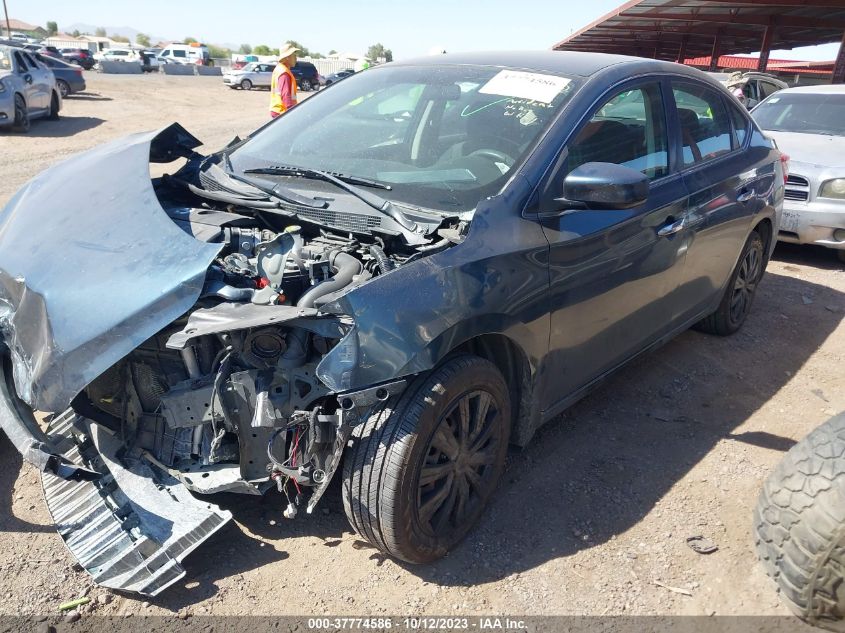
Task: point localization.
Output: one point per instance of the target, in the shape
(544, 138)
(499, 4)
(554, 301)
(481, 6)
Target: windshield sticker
(533, 86)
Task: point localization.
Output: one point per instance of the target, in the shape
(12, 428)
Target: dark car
(491, 240)
(341, 74)
(78, 56)
(306, 75)
(68, 77)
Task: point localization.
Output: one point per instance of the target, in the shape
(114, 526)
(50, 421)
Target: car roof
(566, 62)
(825, 89)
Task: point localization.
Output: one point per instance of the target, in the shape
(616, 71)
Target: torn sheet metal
(87, 273)
(131, 529)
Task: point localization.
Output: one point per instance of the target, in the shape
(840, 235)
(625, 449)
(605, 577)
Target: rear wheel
(739, 295)
(418, 474)
(64, 88)
(54, 107)
(21, 123)
(246, 84)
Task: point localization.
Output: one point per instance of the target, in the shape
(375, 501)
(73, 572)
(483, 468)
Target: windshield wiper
(304, 172)
(413, 232)
(277, 191)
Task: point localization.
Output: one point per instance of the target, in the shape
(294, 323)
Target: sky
(407, 28)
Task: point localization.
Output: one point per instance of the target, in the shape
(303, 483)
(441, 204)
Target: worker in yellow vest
(283, 83)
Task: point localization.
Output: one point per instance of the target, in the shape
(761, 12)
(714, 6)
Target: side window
(740, 124)
(30, 62)
(178, 53)
(705, 128)
(630, 130)
(750, 90)
(22, 67)
(767, 89)
(165, 53)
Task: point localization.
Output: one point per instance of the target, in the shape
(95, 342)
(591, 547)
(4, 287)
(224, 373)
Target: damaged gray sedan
(391, 283)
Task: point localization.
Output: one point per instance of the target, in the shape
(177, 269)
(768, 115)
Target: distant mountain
(125, 31)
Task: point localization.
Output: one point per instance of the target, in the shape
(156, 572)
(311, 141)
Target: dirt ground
(588, 519)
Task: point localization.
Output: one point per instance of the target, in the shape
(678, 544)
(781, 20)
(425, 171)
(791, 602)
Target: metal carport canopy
(675, 30)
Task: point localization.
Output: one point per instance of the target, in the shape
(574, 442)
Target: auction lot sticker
(534, 86)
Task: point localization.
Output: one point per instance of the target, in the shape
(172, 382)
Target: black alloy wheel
(750, 272)
(21, 123)
(458, 472)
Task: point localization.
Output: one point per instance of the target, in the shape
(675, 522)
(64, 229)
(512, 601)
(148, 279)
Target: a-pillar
(715, 52)
(839, 66)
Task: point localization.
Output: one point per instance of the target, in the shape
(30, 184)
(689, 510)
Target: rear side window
(767, 89)
(178, 53)
(22, 67)
(630, 130)
(705, 127)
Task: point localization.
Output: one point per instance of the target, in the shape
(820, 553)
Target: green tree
(245, 49)
(119, 38)
(142, 39)
(100, 32)
(52, 28)
(303, 50)
(262, 49)
(377, 51)
(76, 33)
(190, 40)
(219, 52)
(333, 52)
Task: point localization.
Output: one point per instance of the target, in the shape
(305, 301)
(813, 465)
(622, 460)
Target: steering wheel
(495, 155)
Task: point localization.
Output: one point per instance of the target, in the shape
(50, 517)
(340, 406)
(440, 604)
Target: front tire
(246, 84)
(53, 115)
(739, 294)
(306, 85)
(22, 123)
(419, 473)
(799, 525)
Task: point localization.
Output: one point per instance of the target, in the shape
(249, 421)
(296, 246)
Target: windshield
(442, 137)
(803, 112)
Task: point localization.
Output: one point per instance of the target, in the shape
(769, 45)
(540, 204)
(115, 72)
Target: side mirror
(604, 186)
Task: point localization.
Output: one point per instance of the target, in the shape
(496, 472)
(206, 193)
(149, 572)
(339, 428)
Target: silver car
(27, 90)
(808, 125)
(254, 74)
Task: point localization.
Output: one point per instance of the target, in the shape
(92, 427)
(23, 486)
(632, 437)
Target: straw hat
(286, 50)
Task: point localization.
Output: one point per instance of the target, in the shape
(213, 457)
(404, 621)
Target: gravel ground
(590, 519)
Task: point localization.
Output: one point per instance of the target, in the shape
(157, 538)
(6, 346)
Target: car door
(43, 76)
(613, 273)
(32, 91)
(264, 75)
(725, 188)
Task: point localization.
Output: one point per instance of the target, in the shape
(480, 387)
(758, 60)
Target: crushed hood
(91, 266)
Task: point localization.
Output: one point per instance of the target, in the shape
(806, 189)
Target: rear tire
(64, 88)
(419, 473)
(799, 525)
(22, 122)
(739, 294)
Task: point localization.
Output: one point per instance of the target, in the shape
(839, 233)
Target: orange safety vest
(276, 103)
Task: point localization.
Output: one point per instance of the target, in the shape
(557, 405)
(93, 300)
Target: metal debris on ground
(701, 544)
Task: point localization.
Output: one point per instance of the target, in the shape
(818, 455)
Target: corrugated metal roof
(663, 29)
(731, 62)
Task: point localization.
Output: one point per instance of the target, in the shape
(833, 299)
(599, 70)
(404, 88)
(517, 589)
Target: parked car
(253, 75)
(808, 124)
(754, 86)
(22, 38)
(799, 526)
(68, 77)
(117, 55)
(490, 240)
(27, 90)
(307, 77)
(79, 56)
(341, 74)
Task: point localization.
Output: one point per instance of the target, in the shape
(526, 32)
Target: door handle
(672, 226)
(745, 196)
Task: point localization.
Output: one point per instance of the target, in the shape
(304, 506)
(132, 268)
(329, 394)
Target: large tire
(431, 432)
(306, 85)
(246, 84)
(21, 123)
(799, 525)
(739, 294)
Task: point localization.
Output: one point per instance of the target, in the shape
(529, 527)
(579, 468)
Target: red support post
(715, 52)
(682, 52)
(763, 61)
(839, 67)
